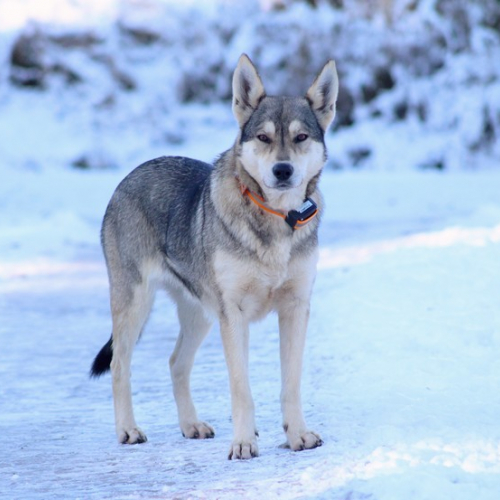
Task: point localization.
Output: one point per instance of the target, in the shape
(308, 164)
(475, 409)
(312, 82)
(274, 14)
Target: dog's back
(156, 206)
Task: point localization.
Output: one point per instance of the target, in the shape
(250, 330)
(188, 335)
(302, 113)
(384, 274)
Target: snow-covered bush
(420, 79)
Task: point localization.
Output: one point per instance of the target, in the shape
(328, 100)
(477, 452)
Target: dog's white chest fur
(250, 286)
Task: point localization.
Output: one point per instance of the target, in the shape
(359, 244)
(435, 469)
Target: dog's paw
(197, 430)
(134, 435)
(243, 450)
(303, 441)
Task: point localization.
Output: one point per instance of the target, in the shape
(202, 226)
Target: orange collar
(295, 218)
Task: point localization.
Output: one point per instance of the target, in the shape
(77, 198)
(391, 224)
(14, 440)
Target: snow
(401, 374)
(126, 69)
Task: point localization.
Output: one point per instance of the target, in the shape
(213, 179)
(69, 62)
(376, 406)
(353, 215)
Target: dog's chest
(249, 285)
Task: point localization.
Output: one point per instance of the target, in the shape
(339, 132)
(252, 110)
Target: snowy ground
(401, 376)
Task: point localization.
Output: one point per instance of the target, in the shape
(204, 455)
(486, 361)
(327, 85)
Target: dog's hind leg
(130, 308)
(194, 326)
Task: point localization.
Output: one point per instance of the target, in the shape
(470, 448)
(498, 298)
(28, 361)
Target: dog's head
(281, 142)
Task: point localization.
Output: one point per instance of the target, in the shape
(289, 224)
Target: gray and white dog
(234, 240)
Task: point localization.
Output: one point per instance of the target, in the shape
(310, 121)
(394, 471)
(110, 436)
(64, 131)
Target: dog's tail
(102, 361)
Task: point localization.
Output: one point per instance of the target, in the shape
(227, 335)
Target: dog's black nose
(282, 171)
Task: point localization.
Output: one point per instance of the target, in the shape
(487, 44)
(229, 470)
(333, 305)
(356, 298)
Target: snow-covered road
(402, 372)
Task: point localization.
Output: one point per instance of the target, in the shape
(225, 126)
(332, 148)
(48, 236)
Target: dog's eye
(264, 138)
(301, 137)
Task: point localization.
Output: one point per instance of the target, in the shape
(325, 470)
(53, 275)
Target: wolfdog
(233, 241)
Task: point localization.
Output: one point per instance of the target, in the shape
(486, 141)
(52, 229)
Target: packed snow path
(401, 377)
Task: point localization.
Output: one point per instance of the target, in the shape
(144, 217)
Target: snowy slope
(110, 79)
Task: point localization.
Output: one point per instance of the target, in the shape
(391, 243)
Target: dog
(233, 241)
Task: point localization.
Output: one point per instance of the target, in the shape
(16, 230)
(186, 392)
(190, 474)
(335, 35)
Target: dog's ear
(322, 94)
(248, 90)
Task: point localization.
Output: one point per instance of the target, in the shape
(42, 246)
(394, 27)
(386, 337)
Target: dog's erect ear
(322, 94)
(248, 90)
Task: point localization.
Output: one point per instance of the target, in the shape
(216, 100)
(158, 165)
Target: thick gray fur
(188, 227)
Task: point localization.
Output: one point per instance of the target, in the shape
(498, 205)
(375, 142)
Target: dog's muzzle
(283, 173)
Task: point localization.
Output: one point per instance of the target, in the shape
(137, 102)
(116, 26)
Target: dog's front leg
(293, 319)
(235, 333)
